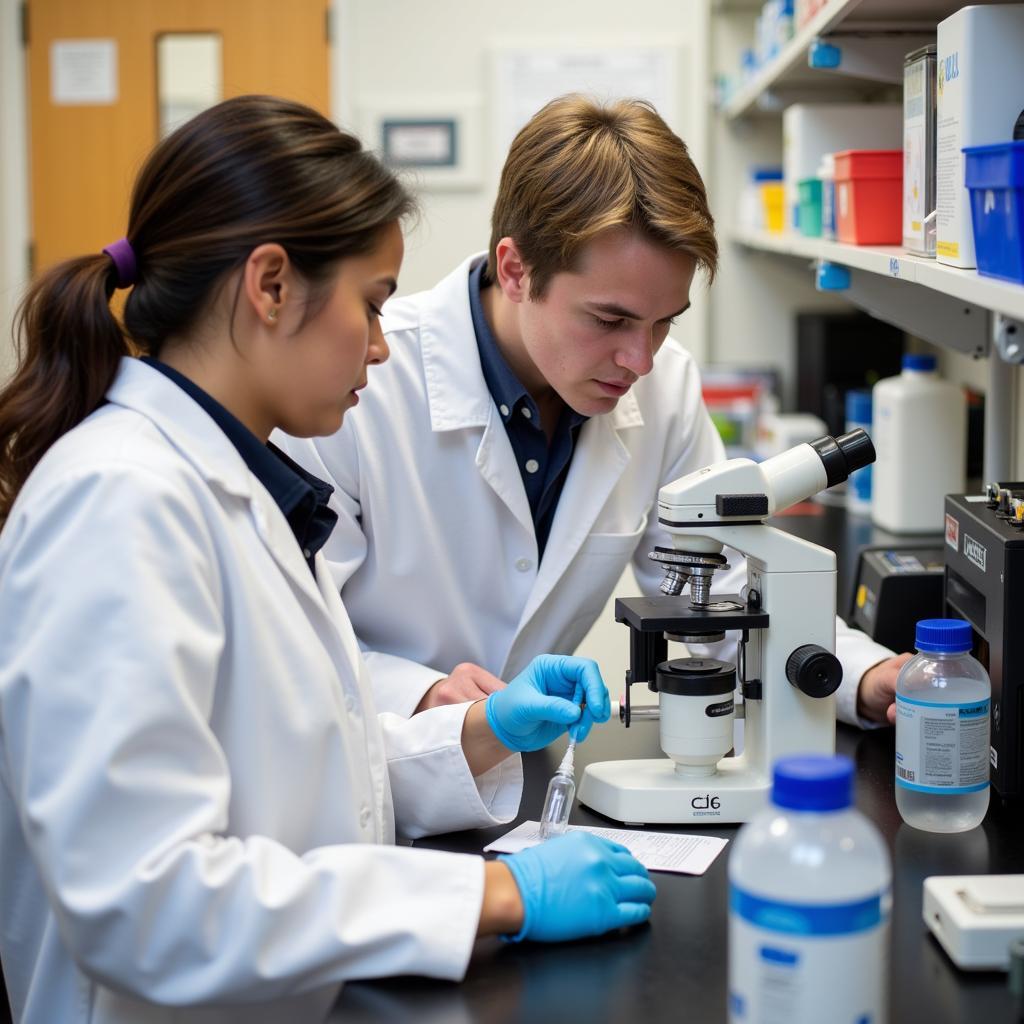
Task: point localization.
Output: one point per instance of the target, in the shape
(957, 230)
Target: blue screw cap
(813, 782)
(943, 636)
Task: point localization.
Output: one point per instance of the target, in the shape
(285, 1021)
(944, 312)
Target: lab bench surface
(675, 968)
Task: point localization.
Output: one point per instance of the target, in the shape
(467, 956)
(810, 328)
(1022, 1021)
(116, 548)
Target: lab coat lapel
(457, 392)
(202, 443)
(597, 465)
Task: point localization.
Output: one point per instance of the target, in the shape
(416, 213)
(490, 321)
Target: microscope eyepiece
(845, 454)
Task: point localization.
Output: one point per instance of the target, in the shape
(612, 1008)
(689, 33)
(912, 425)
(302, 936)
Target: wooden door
(84, 158)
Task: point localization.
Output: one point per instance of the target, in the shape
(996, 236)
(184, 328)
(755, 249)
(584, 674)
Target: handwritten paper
(683, 854)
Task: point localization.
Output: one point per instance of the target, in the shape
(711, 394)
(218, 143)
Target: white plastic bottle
(809, 898)
(942, 731)
(920, 433)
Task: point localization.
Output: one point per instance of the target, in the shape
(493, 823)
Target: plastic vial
(942, 731)
(561, 793)
(809, 898)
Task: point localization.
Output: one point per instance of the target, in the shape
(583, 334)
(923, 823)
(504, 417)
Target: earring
(272, 315)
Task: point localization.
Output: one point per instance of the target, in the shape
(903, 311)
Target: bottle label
(789, 961)
(942, 748)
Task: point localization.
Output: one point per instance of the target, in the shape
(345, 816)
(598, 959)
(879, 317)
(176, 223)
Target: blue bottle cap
(858, 407)
(766, 173)
(943, 636)
(911, 362)
(813, 782)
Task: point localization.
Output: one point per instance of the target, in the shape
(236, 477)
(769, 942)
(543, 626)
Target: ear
(266, 281)
(511, 272)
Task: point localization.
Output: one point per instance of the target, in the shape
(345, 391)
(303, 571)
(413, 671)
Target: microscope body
(786, 672)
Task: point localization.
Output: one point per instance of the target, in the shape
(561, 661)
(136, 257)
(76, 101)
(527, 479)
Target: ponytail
(69, 347)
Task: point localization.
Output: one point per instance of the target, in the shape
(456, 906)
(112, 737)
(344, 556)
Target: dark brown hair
(580, 167)
(248, 171)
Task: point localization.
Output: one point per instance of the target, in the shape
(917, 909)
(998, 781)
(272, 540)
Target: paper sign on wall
(83, 72)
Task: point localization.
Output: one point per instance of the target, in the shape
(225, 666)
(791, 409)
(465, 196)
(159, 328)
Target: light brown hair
(250, 170)
(580, 167)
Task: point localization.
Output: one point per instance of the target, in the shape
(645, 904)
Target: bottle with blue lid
(809, 898)
(919, 428)
(942, 730)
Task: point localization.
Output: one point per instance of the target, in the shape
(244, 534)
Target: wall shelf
(789, 69)
(891, 261)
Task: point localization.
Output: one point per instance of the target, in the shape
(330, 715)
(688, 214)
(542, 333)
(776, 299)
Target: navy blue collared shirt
(301, 496)
(544, 467)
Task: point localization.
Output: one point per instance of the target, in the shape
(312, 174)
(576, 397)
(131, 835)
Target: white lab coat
(435, 547)
(193, 770)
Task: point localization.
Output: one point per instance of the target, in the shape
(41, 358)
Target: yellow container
(773, 203)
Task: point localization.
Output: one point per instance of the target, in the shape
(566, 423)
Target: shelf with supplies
(840, 19)
(891, 261)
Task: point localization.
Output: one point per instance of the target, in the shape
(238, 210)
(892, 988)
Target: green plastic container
(809, 192)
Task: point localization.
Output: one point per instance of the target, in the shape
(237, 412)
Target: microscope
(786, 670)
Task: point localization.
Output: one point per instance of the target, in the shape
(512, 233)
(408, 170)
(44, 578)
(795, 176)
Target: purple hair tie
(123, 255)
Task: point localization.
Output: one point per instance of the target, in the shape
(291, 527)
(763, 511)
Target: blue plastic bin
(995, 178)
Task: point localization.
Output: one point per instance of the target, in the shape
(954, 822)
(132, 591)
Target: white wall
(13, 177)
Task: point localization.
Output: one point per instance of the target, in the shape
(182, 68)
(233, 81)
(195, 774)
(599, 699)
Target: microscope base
(652, 792)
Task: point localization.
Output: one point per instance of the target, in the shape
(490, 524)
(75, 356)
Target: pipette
(561, 793)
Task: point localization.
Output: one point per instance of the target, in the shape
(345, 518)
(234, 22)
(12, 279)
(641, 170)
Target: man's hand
(876, 693)
(467, 682)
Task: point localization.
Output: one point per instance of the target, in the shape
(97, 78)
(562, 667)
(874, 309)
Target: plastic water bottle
(919, 427)
(942, 731)
(809, 898)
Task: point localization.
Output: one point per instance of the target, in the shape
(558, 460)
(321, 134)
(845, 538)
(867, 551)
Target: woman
(199, 802)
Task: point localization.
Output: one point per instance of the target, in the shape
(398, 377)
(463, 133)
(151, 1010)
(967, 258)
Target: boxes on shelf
(980, 84)
(919, 151)
(810, 207)
(810, 130)
(995, 179)
(869, 196)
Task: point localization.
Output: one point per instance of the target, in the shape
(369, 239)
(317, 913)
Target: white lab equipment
(919, 426)
(809, 897)
(975, 917)
(942, 731)
(787, 671)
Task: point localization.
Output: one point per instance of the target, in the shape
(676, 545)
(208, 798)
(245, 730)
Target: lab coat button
(532, 465)
(524, 564)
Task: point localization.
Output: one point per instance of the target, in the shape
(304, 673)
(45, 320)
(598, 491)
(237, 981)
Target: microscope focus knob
(814, 670)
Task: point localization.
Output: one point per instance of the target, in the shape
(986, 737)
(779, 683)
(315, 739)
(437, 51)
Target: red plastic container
(869, 196)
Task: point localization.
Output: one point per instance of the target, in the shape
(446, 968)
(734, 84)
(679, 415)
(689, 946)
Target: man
(505, 466)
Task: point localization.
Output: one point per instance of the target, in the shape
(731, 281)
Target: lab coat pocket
(597, 568)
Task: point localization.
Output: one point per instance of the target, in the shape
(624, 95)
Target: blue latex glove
(537, 706)
(578, 885)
